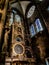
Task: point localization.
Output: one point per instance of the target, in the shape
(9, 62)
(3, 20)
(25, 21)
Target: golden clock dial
(18, 49)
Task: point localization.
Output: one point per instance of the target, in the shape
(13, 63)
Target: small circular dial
(19, 39)
(18, 49)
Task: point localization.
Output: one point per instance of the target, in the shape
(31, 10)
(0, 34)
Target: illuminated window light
(48, 8)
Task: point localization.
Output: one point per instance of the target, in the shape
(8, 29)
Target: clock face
(18, 49)
(31, 11)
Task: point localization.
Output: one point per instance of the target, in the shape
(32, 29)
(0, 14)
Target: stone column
(2, 22)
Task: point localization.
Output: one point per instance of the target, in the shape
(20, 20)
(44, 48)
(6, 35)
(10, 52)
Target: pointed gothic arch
(34, 19)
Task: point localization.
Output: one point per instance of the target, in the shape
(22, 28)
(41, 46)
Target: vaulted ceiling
(22, 5)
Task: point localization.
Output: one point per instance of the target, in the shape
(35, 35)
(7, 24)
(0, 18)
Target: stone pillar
(1, 27)
(3, 17)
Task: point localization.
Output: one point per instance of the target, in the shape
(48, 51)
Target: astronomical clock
(22, 32)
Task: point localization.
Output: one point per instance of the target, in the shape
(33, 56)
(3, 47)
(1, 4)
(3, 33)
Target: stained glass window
(39, 26)
(36, 27)
(17, 18)
(31, 11)
(32, 30)
(14, 17)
